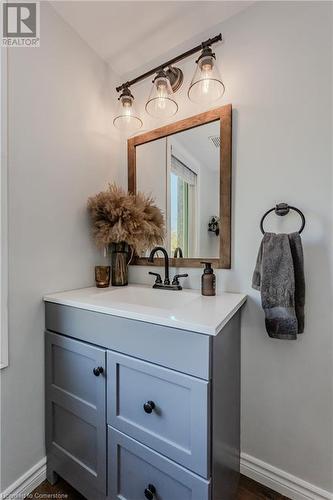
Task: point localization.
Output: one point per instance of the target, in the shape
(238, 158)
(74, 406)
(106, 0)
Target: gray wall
(277, 67)
(61, 150)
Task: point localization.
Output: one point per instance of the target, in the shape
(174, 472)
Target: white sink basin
(182, 309)
(147, 297)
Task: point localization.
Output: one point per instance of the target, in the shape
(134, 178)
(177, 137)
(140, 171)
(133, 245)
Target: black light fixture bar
(203, 45)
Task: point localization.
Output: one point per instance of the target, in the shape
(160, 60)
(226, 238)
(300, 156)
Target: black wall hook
(282, 209)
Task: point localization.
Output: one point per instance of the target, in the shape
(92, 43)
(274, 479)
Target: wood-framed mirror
(186, 167)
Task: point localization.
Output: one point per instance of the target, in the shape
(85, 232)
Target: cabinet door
(166, 410)
(136, 472)
(75, 410)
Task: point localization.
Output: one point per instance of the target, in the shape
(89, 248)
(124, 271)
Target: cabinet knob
(150, 492)
(149, 406)
(97, 371)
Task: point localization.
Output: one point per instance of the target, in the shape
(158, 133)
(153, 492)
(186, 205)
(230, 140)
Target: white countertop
(185, 309)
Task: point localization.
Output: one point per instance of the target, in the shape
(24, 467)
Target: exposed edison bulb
(162, 86)
(206, 85)
(206, 65)
(162, 93)
(127, 119)
(161, 103)
(127, 103)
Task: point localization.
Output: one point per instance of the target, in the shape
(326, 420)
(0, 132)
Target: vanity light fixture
(206, 87)
(127, 120)
(161, 103)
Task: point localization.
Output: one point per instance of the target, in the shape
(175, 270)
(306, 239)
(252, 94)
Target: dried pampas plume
(118, 216)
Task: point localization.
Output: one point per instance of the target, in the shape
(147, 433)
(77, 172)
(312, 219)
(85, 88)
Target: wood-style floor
(248, 490)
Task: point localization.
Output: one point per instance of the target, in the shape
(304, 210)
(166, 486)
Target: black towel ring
(282, 209)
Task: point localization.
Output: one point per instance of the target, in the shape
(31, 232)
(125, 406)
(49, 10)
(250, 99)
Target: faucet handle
(175, 280)
(158, 277)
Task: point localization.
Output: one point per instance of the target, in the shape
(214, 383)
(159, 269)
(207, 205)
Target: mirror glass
(182, 172)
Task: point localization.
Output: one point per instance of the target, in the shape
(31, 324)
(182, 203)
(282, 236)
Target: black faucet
(158, 282)
(177, 251)
(166, 262)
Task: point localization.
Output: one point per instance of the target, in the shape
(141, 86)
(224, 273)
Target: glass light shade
(161, 103)
(206, 85)
(127, 120)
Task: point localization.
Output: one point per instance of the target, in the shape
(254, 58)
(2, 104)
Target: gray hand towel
(279, 275)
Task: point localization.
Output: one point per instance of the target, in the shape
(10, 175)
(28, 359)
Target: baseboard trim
(281, 481)
(27, 482)
(262, 472)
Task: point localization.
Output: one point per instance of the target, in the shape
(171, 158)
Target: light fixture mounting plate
(176, 77)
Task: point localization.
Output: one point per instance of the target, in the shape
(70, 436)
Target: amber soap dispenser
(208, 280)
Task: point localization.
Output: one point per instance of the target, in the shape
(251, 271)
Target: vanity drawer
(133, 467)
(180, 350)
(75, 411)
(175, 418)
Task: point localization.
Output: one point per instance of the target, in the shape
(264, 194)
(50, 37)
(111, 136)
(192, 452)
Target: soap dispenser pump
(208, 280)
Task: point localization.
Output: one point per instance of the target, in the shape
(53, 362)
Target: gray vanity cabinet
(139, 411)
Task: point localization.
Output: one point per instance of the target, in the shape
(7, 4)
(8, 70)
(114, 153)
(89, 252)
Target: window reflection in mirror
(183, 207)
(182, 173)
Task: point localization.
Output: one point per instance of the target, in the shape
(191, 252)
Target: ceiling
(128, 34)
(196, 141)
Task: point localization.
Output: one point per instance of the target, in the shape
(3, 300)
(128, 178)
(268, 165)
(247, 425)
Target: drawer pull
(149, 406)
(97, 371)
(150, 492)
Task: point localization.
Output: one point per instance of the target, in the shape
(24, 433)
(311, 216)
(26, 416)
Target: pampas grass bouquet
(124, 221)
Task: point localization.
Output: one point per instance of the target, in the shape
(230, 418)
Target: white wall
(61, 150)
(277, 66)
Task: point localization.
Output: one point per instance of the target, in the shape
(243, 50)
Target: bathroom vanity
(143, 393)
